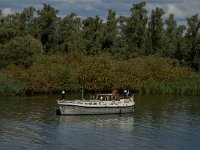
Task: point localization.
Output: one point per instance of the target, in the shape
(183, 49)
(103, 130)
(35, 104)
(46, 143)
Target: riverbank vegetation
(43, 53)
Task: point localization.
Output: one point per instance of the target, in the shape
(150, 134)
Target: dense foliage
(41, 52)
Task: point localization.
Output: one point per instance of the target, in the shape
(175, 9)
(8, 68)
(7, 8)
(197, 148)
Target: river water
(158, 123)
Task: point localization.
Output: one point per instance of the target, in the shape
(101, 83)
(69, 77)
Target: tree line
(28, 36)
(123, 36)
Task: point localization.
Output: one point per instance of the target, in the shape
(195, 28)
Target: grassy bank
(54, 73)
(11, 86)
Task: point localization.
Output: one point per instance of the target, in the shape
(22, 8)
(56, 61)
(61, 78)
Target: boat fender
(58, 112)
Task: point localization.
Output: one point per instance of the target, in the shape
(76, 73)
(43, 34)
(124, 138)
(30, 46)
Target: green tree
(193, 40)
(110, 32)
(156, 31)
(181, 51)
(92, 33)
(22, 51)
(46, 26)
(121, 49)
(0, 18)
(21, 22)
(69, 35)
(9, 28)
(170, 36)
(26, 20)
(135, 29)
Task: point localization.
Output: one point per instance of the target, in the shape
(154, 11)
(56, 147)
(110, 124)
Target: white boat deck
(98, 103)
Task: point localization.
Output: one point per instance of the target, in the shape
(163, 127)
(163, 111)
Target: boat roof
(114, 92)
(105, 94)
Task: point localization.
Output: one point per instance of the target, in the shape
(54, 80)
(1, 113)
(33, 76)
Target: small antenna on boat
(82, 93)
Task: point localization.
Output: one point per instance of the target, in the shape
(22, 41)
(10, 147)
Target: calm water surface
(158, 122)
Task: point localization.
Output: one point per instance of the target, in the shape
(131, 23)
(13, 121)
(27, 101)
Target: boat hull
(82, 110)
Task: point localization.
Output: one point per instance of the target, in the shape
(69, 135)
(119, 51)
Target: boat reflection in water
(124, 121)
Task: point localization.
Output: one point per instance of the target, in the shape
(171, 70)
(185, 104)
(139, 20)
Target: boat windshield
(105, 97)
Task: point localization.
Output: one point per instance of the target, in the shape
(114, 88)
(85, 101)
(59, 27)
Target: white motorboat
(99, 104)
